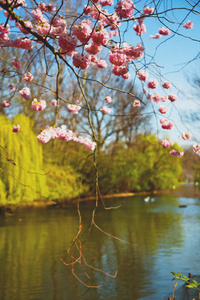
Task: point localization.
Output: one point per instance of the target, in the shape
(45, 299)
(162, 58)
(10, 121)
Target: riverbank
(11, 208)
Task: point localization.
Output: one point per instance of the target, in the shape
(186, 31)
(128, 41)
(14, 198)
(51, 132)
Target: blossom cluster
(16, 128)
(93, 38)
(64, 134)
(176, 153)
(81, 46)
(38, 105)
(105, 110)
(167, 144)
(73, 108)
(166, 124)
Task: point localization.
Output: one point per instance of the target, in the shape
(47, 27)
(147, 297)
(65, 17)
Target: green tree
(21, 163)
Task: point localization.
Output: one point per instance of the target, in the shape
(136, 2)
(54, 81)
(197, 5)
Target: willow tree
(21, 160)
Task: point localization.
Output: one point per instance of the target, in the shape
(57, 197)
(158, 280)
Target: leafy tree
(22, 177)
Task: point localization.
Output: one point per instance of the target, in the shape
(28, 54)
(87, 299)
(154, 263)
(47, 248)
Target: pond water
(32, 242)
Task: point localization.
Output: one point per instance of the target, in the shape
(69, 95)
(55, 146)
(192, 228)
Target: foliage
(27, 174)
(190, 284)
(64, 183)
(21, 160)
(197, 173)
(145, 166)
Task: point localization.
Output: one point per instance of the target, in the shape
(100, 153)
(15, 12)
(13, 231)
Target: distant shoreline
(11, 208)
(43, 204)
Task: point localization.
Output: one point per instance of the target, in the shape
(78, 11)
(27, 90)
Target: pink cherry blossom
(166, 85)
(163, 98)
(25, 93)
(4, 40)
(67, 42)
(105, 110)
(124, 9)
(54, 102)
(6, 103)
(108, 99)
(120, 70)
(157, 36)
(163, 109)
(166, 143)
(38, 16)
(134, 52)
(22, 43)
(101, 63)
(38, 105)
(94, 59)
(64, 134)
(186, 136)
(90, 145)
(46, 7)
(142, 75)
(87, 10)
(126, 76)
(24, 31)
(106, 2)
(148, 10)
(156, 98)
(139, 28)
(164, 31)
(177, 153)
(4, 29)
(28, 77)
(188, 25)
(117, 56)
(113, 33)
(100, 37)
(98, 13)
(136, 103)
(16, 63)
(16, 128)
(113, 22)
(12, 88)
(172, 97)
(196, 149)
(152, 84)
(44, 28)
(149, 96)
(58, 26)
(44, 136)
(93, 48)
(166, 124)
(73, 108)
(82, 31)
(81, 61)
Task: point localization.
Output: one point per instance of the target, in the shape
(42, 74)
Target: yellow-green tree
(21, 163)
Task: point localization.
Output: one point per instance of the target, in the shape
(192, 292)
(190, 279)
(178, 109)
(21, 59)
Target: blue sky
(173, 54)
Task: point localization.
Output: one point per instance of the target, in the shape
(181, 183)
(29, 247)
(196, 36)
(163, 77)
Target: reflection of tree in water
(140, 224)
(30, 250)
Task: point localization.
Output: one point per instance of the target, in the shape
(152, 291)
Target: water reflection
(30, 250)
